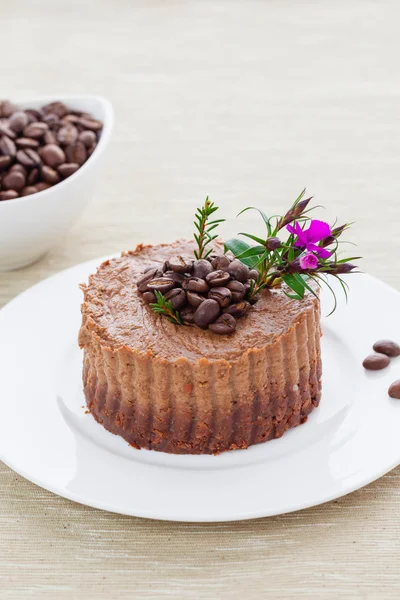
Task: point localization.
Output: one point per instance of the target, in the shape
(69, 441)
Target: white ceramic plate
(45, 435)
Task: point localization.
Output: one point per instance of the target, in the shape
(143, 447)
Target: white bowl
(31, 225)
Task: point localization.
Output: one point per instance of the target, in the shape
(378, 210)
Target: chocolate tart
(184, 390)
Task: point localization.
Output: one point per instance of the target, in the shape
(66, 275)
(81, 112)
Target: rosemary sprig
(204, 228)
(164, 307)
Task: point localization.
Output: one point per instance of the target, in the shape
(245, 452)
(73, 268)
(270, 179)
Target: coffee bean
(149, 297)
(42, 185)
(52, 120)
(187, 315)
(71, 118)
(194, 299)
(67, 134)
(8, 195)
(5, 129)
(195, 284)
(88, 138)
(7, 108)
(5, 161)
(394, 390)
(201, 268)
(177, 278)
(67, 169)
(33, 115)
(92, 124)
(179, 265)
(76, 153)
(162, 284)
(375, 362)
(7, 146)
(50, 175)
(253, 274)
(237, 290)
(224, 325)
(26, 143)
(14, 180)
(28, 158)
(52, 155)
(91, 150)
(387, 347)
(35, 130)
(177, 297)
(50, 138)
(239, 309)
(221, 294)
(206, 313)
(33, 176)
(239, 271)
(57, 108)
(217, 278)
(28, 190)
(18, 121)
(221, 263)
(18, 167)
(145, 279)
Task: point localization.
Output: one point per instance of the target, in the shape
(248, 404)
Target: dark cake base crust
(259, 418)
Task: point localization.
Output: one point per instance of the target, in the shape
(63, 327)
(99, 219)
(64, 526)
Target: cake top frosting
(116, 310)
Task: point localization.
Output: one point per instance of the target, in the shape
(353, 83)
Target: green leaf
(263, 215)
(216, 221)
(299, 197)
(309, 288)
(237, 247)
(254, 251)
(212, 227)
(254, 237)
(295, 284)
(345, 260)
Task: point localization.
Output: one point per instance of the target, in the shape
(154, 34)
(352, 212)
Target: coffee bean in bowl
(53, 141)
(35, 217)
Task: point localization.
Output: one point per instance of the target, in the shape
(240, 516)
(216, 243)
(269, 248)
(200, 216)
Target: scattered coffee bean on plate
(387, 347)
(394, 390)
(375, 362)
(50, 143)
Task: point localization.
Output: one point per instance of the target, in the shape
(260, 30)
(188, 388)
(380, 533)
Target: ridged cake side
(207, 406)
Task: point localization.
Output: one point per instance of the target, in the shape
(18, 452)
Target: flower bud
(294, 212)
(273, 243)
(341, 268)
(334, 235)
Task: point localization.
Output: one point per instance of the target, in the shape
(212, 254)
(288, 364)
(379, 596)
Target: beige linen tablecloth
(246, 101)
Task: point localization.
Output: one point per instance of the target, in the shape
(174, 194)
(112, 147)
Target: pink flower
(308, 238)
(308, 261)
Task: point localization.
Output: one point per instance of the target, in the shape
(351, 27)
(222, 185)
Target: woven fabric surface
(247, 101)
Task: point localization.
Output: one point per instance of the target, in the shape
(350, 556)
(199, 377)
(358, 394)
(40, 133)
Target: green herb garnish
(204, 228)
(164, 307)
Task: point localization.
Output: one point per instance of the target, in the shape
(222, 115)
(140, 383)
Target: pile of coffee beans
(210, 293)
(40, 148)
